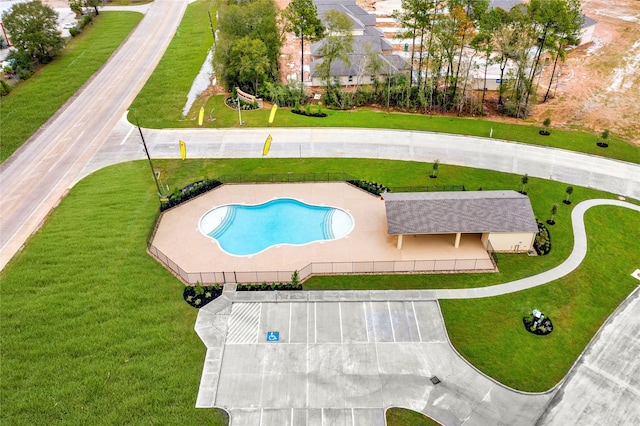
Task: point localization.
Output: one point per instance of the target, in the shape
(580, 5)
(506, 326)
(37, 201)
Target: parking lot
(344, 362)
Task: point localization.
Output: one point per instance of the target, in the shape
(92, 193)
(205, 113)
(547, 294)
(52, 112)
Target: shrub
(542, 243)
(24, 74)
(4, 88)
(188, 192)
(371, 187)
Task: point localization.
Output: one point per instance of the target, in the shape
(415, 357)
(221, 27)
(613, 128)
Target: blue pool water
(243, 230)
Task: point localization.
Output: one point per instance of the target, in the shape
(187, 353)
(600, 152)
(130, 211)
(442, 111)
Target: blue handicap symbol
(273, 336)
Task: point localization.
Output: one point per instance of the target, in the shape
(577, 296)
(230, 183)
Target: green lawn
(404, 417)
(489, 332)
(368, 118)
(34, 101)
(94, 330)
(165, 93)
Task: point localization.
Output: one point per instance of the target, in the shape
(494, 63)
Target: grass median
(34, 101)
(93, 329)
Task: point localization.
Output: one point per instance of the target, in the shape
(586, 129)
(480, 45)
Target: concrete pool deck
(178, 237)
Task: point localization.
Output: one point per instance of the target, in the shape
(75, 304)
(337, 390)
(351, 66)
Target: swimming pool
(245, 230)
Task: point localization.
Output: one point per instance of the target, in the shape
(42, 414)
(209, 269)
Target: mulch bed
(198, 296)
(543, 328)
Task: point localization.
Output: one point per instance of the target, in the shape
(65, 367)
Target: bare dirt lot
(599, 85)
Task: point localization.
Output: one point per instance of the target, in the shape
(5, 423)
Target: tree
(301, 17)
(34, 28)
(604, 136)
(569, 191)
(484, 41)
(554, 21)
(257, 21)
(554, 210)
(248, 63)
(338, 42)
(94, 4)
(434, 169)
(21, 63)
(546, 123)
(524, 181)
(77, 5)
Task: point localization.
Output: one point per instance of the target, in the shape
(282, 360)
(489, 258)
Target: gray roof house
(366, 38)
(504, 219)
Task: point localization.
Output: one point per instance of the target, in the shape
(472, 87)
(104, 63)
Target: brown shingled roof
(466, 212)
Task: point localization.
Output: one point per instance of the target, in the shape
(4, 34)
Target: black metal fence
(285, 177)
(436, 188)
(329, 268)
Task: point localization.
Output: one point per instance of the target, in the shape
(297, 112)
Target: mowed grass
(405, 417)
(489, 332)
(32, 102)
(93, 330)
(164, 95)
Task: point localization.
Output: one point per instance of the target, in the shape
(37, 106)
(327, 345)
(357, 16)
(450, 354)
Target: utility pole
(146, 151)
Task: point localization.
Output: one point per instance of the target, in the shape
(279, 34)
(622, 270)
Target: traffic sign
(273, 336)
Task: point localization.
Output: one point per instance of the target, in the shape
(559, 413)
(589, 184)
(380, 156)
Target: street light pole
(239, 115)
(146, 151)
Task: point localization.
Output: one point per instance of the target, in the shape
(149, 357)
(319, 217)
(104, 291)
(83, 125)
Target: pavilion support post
(457, 243)
(400, 241)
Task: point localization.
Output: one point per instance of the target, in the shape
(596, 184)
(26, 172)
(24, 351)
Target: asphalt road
(33, 180)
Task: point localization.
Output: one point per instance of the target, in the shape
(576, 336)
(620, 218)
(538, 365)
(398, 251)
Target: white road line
(415, 318)
(258, 328)
(315, 322)
(127, 137)
(340, 316)
(353, 419)
(307, 372)
(393, 333)
(289, 335)
(366, 325)
(261, 411)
